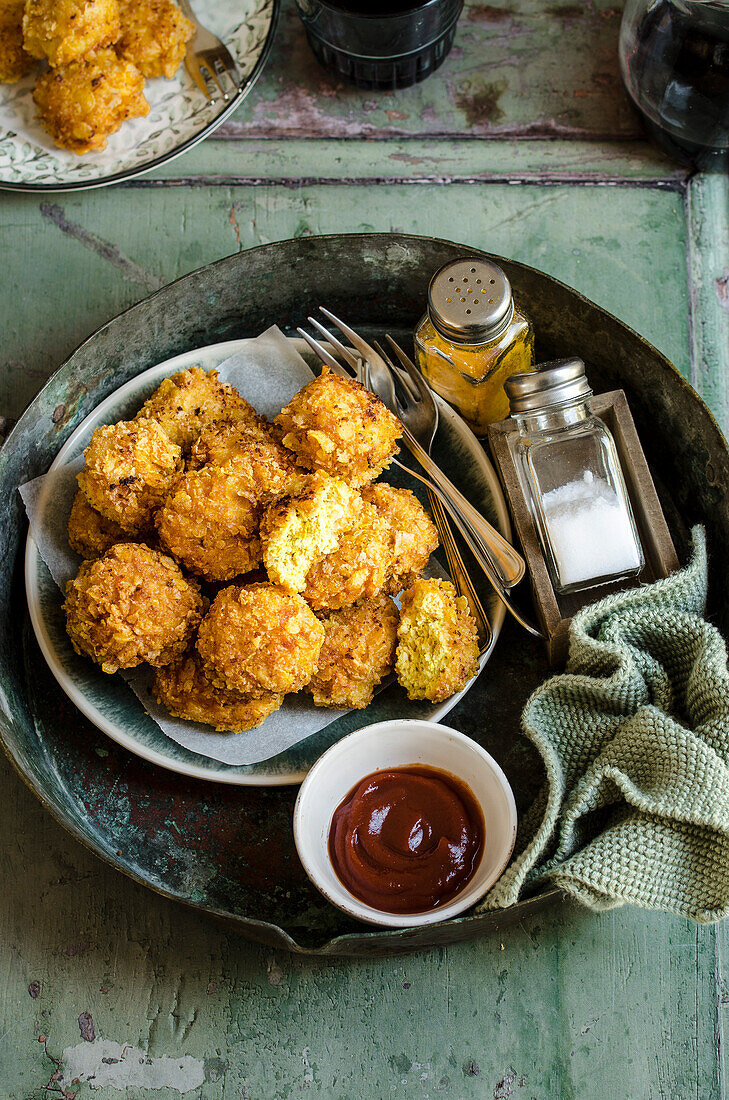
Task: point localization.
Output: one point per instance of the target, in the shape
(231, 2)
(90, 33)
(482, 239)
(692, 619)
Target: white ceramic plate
(180, 115)
(109, 703)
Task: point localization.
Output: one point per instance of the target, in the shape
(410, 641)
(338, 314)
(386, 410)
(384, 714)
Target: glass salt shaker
(471, 338)
(571, 477)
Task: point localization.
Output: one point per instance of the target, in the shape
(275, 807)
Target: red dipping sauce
(407, 840)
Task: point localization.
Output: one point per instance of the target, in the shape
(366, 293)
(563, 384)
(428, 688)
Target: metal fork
(351, 359)
(208, 60)
(423, 423)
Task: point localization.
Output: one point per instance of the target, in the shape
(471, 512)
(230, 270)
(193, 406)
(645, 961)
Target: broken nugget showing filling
(129, 469)
(62, 31)
(413, 535)
(336, 425)
(301, 529)
(437, 651)
(259, 638)
(131, 606)
(358, 651)
(357, 568)
(186, 692)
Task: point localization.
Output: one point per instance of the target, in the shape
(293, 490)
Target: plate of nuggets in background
(245, 561)
(93, 91)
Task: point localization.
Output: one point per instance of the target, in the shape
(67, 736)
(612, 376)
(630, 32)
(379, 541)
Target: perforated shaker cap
(470, 301)
(547, 385)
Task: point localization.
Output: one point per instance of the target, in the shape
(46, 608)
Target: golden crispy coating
(437, 651)
(84, 102)
(62, 31)
(209, 523)
(358, 567)
(131, 606)
(184, 689)
(303, 528)
(263, 471)
(89, 533)
(358, 651)
(225, 439)
(154, 36)
(130, 467)
(413, 536)
(259, 638)
(192, 400)
(336, 425)
(14, 61)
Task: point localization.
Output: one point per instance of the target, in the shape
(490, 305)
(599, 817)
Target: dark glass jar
(674, 56)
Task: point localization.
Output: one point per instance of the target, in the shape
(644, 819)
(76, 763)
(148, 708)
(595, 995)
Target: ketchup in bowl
(408, 839)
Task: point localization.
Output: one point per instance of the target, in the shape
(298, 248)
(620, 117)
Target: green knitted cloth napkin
(635, 742)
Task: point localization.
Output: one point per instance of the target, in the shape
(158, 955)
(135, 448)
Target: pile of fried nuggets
(178, 509)
(99, 53)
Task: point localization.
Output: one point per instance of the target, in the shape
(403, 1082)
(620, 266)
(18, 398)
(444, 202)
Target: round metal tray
(228, 851)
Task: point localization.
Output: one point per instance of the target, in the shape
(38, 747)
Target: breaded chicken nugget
(154, 36)
(209, 523)
(84, 102)
(184, 689)
(130, 467)
(192, 400)
(131, 606)
(225, 439)
(62, 31)
(358, 651)
(89, 533)
(437, 650)
(303, 528)
(338, 426)
(259, 638)
(264, 471)
(413, 536)
(358, 567)
(14, 61)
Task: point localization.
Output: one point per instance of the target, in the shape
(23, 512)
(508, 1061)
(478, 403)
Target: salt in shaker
(570, 475)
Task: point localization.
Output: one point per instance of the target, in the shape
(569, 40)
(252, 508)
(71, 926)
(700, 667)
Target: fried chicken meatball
(413, 536)
(303, 528)
(437, 650)
(225, 439)
(130, 468)
(89, 533)
(338, 426)
(358, 567)
(192, 400)
(14, 60)
(131, 606)
(84, 102)
(186, 692)
(358, 651)
(259, 638)
(264, 471)
(154, 36)
(209, 523)
(62, 31)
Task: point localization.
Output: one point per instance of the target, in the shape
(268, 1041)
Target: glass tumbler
(378, 44)
(674, 57)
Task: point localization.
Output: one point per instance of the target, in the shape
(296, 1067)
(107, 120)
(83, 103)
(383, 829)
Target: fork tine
(414, 374)
(343, 350)
(354, 338)
(208, 68)
(193, 69)
(403, 385)
(323, 354)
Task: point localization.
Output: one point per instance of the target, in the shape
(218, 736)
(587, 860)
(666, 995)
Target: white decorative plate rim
(157, 161)
(227, 774)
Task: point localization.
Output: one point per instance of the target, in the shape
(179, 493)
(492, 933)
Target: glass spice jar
(570, 475)
(472, 337)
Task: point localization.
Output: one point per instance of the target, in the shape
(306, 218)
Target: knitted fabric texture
(635, 742)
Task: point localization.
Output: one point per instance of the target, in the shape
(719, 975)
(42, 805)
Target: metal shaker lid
(470, 301)
(547, 385)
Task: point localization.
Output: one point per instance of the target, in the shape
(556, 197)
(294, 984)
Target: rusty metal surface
(229, 851)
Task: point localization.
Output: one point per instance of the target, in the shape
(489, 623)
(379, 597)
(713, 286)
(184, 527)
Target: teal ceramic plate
(110, 704)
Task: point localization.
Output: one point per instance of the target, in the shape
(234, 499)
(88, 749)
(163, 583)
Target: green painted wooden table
(522, 144)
